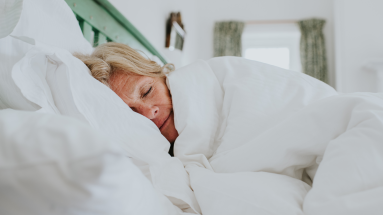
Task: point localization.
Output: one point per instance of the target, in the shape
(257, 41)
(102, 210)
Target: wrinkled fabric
(57, 165)
(59, 83)
(239, 116)
(51, 22)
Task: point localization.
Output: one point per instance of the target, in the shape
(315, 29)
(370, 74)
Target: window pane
(275, 56)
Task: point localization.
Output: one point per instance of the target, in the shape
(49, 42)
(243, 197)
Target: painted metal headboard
(101, 22)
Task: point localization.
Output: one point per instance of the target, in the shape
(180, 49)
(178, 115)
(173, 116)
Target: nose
(149, 111)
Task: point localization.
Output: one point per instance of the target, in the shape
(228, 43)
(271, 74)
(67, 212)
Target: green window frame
(101, 22)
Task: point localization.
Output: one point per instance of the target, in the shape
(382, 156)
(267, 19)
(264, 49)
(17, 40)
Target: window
(275, 44)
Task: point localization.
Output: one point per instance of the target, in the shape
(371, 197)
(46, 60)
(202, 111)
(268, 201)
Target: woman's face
(149, 97)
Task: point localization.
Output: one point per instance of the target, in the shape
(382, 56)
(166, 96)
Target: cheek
(162, 96)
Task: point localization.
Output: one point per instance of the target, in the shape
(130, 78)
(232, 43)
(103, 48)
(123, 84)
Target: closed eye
(150, 89)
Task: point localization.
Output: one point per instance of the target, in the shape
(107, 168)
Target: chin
(172, 138)
(170, 133)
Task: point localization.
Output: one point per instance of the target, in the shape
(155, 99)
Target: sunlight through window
(275, 44)
(275, 56)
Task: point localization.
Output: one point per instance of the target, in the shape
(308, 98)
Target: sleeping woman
(232, 115)
(139, 82)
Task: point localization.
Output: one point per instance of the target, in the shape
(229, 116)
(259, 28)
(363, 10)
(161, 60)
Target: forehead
(127, 84)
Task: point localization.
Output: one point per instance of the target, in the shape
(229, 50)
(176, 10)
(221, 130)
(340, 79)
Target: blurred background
(338, 41)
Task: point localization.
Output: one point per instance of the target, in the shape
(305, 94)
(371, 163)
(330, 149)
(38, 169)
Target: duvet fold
(238, 118)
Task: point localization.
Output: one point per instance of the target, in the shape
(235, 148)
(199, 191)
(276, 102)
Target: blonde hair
(110, 57)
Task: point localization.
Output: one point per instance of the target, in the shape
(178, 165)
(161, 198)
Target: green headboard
(101, 22)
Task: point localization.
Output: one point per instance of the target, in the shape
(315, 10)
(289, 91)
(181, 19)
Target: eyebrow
(122, 86)
(137, 88)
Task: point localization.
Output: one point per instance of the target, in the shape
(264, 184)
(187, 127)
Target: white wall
(189, 11)
(149, 17)
(359, 40)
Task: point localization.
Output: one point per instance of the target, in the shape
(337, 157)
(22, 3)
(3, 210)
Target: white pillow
(55, 80)
(10, 11)
(50, 21)
(56, 165)
(247, 193)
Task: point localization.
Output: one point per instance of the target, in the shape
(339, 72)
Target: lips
(164, 123)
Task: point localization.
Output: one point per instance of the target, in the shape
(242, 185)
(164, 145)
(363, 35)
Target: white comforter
(250, 133)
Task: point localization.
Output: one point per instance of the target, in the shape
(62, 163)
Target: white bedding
(248, 131)
(241, 117)
(51, 22)
(48, 79)
(56, 165)
(59, 83)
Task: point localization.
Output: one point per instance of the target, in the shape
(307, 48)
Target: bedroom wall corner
(358, 40)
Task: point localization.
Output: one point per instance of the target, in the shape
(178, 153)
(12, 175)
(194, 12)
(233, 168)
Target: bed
(69, 145)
